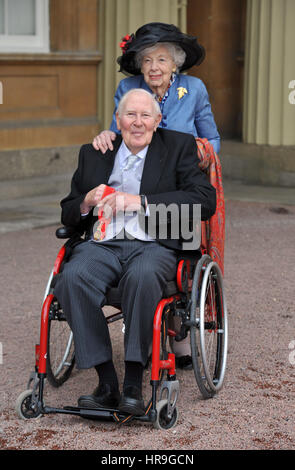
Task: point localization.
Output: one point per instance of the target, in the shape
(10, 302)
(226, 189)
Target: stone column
(116, 19)
(269, 115)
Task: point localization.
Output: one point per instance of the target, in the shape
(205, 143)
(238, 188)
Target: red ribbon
(103, 221)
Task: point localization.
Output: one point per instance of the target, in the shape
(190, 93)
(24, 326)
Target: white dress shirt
(127, 181)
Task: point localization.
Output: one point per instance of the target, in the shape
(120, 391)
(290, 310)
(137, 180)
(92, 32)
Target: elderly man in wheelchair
(127, 248)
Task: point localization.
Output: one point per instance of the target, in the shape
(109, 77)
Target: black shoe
(102, 397)
(132, 402)
(184, 362)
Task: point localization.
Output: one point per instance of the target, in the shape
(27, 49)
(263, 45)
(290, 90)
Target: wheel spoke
(209, 338)
(60, 354)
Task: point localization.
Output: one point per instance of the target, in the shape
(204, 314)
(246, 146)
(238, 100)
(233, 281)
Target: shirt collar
(125, 152)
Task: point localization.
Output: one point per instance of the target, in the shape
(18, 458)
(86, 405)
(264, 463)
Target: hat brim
(195, 52)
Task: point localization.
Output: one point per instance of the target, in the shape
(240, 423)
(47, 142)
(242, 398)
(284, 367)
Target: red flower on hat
(126, 41)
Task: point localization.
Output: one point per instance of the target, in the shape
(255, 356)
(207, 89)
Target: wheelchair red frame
(162, 413)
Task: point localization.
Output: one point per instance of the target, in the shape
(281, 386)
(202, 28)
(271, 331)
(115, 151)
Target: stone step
(34, 187)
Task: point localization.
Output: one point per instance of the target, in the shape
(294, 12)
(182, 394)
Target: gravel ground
(255, 408)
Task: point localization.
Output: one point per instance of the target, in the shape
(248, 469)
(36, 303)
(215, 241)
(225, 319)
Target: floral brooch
(181, 92)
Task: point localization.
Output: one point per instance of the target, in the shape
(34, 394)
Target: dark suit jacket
(171, 175)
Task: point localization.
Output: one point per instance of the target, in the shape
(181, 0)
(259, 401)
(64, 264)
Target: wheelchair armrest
(66, 232)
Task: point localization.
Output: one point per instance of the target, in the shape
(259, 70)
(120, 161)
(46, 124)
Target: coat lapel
(108, 161)
(154, 165)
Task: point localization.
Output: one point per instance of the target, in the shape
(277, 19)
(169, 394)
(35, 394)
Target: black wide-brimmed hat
(152, 33)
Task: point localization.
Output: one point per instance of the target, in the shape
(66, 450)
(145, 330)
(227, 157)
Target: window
(24, 26)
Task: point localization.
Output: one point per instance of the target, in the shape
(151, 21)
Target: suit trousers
(140, 269)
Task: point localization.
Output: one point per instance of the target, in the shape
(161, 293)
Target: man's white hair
(122, 102)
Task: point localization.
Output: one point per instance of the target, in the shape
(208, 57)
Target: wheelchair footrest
(105, 414)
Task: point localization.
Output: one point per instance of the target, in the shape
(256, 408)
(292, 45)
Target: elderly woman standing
(155, 57)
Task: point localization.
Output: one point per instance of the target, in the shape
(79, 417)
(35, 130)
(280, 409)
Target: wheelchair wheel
(163, 421)
(25, 406)
(209, 330)
(60, 350)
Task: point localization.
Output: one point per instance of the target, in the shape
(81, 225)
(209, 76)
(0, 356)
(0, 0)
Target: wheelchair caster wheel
(25, 406)
(163, 421)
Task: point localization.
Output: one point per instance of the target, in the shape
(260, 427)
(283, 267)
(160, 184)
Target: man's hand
(104, 141)
(119, 201)
(111, 204)
(92, 199)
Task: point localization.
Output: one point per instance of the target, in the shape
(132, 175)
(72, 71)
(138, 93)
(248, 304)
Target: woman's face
(157, 67)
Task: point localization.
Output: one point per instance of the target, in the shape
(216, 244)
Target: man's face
(138, 121)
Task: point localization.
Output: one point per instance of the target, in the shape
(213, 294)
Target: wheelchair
(196, 296)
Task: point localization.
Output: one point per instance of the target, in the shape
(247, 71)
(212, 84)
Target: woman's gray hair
(176, 53)
(122, 101)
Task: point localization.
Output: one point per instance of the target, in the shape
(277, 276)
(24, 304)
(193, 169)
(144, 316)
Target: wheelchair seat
(113, 297)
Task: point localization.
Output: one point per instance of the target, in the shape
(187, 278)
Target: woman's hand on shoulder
(103, 141)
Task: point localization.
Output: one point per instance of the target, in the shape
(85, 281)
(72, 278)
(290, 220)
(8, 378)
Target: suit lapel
(154, 165)
(108, 161)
